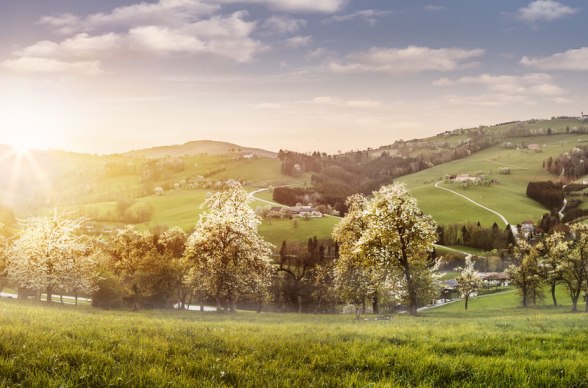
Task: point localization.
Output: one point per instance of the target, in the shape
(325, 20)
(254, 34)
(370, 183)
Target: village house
(466, 178)
(527, 229)
(495, 279)
(534, 147)
(304, 211)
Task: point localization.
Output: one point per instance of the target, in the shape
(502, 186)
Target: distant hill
(199, 147)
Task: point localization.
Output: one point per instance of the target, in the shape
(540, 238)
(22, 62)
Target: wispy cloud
(371, 16)
(299, 41)
(576, 59)
(163, 12)
(501, 89)
(283, 24)
(80, 45)
(310, 6)
(49, 65)
(433, 8)
(343, 103)
(544, 10)
(412, 59)
(325, 102)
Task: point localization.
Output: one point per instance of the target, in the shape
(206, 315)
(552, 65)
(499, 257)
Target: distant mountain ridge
(198, 147)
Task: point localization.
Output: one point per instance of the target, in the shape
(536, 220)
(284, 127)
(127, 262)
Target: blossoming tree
(229, 256)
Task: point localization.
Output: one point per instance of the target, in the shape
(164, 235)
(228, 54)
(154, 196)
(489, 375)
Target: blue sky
(108, 76)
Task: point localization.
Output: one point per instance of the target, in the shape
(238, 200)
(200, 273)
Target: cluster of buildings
(297, 211)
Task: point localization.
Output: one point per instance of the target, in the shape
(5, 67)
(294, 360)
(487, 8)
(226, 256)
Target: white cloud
(283, 24)
(371, 16)
(502, 89)
(576, 59)
(544, 10)
(298, 41)
(224, 36)
(322, 103)
(321, 52)
(48, 65)
(81, 45)
(162, 40)
(311, 6)
(164, 12)
(411, 59)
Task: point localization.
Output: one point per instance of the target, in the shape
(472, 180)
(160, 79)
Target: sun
(28, 123)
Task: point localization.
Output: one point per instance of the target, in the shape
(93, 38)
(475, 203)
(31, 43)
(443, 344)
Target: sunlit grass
(495, 343)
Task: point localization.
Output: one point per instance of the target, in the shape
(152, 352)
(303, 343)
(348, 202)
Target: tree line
(381, 254)
(560, 258)
(336, 177)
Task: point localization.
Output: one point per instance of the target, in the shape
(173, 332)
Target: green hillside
(91, 185)
(507, 197)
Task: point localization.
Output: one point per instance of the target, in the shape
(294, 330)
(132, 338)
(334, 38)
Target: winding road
(513, 228)
(252, 196)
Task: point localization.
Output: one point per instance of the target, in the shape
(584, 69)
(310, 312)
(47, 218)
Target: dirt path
(252, 196)
(513, 228)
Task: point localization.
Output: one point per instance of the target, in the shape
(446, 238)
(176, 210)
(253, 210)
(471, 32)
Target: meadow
(495, 343)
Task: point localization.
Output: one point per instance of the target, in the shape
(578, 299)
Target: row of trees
(337, 177)
(548, 193)
(475, 236)
(384, 247)
(561, 258)
(570, 165)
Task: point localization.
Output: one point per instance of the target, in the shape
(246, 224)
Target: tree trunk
(219, 307)
(467, 297)
(76, 298)
(375, 304)
(553, 293)
(61, 297)
(575, 297)
(233, 305)
(412, 295)
(49, 294)
(299, 300)
(136, 298)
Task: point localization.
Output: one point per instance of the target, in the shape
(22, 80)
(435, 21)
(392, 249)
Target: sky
(106, 76)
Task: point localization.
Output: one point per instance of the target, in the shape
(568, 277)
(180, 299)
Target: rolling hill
(200, 147)
(92, 184)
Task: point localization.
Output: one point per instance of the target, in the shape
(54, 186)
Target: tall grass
(498, 346)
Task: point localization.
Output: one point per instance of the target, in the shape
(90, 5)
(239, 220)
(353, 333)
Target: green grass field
(182, 208)
(508, 197)
(495, 343)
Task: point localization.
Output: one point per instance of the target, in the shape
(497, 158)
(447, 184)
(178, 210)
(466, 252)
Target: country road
(514, 230)
(252, 195)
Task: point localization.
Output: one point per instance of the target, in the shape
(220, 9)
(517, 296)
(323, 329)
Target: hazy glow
(110, 76)
(30, 121)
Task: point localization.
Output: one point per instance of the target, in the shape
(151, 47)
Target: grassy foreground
(494, 344)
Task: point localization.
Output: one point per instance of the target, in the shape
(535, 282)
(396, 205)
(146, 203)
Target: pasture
(507, 197)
